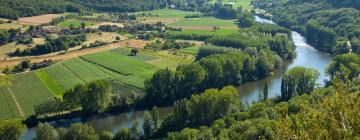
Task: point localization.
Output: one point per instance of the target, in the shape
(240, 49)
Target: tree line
(60, 43)
(167, 45)
(214, 71)
(14, 9)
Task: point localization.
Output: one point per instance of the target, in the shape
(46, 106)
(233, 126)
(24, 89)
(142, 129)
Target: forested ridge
(14, 9)
(332, 26)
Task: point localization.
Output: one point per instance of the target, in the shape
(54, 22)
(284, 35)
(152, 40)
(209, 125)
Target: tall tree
(11, 130)
(45, 131)
(147, 124)
(80, 131)
(266, 91)
(155, 117)
(297, 81)
(97, 98)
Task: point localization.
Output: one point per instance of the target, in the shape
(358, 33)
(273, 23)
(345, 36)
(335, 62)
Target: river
(306, 56)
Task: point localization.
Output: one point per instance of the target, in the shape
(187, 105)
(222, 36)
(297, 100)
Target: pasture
(203, 32)
(204, 23)
(167, 59)
(166, 13)
(246, 4)
(75, 23)
(121, 64)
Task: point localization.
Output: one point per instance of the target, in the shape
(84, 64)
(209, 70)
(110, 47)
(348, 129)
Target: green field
(204, 32)
(140, 56)
(76, 23)
(209, 21)
(8, 107)
(121, 64)
(25, 89)
(246, 4)
(126, 73)
(167, 13)
(167, 60)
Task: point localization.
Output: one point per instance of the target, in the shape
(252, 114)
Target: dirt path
(72, 54)
(16, 102)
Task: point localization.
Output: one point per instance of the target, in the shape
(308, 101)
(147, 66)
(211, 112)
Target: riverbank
(249, 92)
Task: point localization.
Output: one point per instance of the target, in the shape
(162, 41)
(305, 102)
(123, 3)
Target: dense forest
(14, 9)
(330, 25)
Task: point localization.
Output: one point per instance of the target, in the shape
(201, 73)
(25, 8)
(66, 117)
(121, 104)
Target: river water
(307, 56)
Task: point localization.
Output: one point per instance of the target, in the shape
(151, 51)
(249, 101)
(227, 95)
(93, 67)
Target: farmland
(167, 13)
(6, 26)
(204, 23)
(121, 64)
(204, 32)
(246, 4)
(75, 23)
(126, 74)
(37, 20)
(19, 96)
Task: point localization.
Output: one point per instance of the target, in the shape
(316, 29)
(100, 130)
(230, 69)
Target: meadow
(203, 32)
(205, 23)
(167, 59)
(76, 23)
(246, 4)
(121, 64)
(167, 13)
